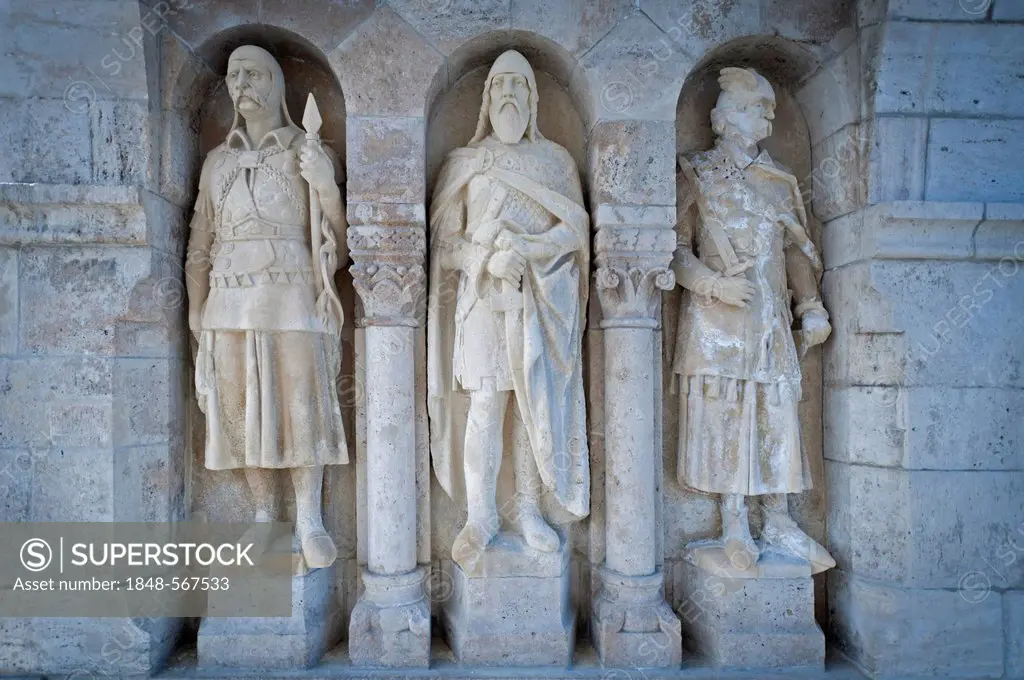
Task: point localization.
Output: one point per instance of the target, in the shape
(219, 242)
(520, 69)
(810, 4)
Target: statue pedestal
(517, 611)
(297, 641)
(757, 618)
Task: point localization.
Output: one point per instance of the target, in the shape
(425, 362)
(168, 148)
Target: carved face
(510, 106)
(251, 86)
(745, 118)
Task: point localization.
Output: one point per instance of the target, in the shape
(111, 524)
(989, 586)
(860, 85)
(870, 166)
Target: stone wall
(901, 121)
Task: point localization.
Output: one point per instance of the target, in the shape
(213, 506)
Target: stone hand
(507, 265)
(815, 327)
(316, 168)
(733, 290)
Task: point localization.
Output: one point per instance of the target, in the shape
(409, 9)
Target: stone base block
(390, 624)
(297, 641)
(633, 626)
(518, 613)
(759, 618)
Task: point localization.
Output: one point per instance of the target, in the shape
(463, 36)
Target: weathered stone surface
(451, 23)
(574, 26)
(896, 166)
(837, 185)
(45, 142)
(8, 301)
(120, 143)
(875, 621)
(16, 470)
(73, 485)
(385, 160)
(949, 69)
(974, 160)
(830, 96)
(1004, 10)
(928, 10)
(149, 483)
(763, 623)
(1001, 234)
(635, 72)
(1013, 606)
(630, 163)
(898, 535)
(700, 27)
(325, 23)
(196, 21)
(383, 51)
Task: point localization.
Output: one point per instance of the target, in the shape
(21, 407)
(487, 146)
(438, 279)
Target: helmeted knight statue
(262, 303)
(509, 243)
(735, 354)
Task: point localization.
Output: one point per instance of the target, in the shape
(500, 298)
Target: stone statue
(736, 356)
(509, 242)
(267, 237)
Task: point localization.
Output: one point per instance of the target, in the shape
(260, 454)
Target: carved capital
(388, 273)
(629, 292)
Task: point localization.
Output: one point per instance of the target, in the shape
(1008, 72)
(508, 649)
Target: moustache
(249, 94)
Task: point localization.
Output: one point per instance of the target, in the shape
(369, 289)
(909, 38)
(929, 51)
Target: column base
(633, 626)
(390, 624)
(761, 618)
(297, 641)
(518, 612)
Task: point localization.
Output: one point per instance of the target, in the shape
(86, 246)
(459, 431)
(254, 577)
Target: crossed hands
(507, 262)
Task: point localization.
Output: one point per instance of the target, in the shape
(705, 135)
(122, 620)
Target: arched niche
(198, 119)
(452, 118)
(689, 514)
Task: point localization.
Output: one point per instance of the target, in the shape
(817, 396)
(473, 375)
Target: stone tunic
(739, 366)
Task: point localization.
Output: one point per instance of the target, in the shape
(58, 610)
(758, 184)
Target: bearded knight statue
(509, 242)
(736, 357)
(262, 304)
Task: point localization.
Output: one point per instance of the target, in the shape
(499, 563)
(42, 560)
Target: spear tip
(311, 119)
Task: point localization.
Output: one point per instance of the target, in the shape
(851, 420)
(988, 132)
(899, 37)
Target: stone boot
(740, 548)
(782, 533)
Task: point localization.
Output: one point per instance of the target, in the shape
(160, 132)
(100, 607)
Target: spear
(312, 121)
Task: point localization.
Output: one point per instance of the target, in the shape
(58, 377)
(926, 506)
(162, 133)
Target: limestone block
(182, 74)
(702, 26)
(8, 301)
(935, 428)
(810, 21)
(16, 469)
(150, 400)
(949, 68)
(764, 622)
(67, 213)
(832, 93)
(836, 184)
(974, 160)
(636, 71)
(276, 642)
(631, 164)
(92, 47)
(1001, 234)
(896, 632)
(72, 297)
(517, 611)
(574, 26)
(896, 166)
(899, 532)
(1006, 10)
(928, 10)
(385, 160)
(322, 22)
(179, 158)
(390, 624)
(631, 623)
(73, 485)
(451, 23)
(386, 68)
(46, 404)
(45, 141)
(120, 142)
(197, 22)
(1013, 606)
(149, 482)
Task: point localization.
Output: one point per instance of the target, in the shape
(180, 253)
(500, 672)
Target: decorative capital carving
(388, 274)
(629, 294)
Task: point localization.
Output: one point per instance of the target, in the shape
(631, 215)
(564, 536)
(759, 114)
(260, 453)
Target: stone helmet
(266, 59)
(510, 61)
(740, 86)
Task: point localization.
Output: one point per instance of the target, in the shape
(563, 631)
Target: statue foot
(740, 548)
(781, 532)
(538, 533)
(317, 547)
(470, 544)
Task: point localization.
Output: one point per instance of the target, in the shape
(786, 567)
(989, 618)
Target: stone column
(633, 625)
(390, 625)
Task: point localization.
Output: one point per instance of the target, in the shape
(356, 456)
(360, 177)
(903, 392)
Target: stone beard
(509, 275)
(269, 354)
(737, 362)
